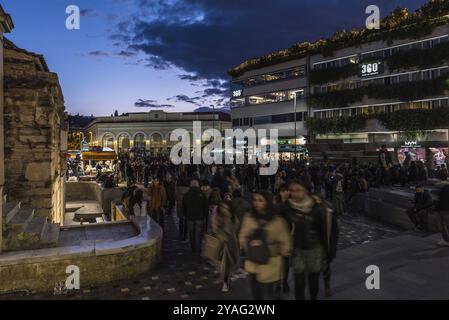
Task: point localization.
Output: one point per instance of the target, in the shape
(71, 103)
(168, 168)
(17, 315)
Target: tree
(116, 113)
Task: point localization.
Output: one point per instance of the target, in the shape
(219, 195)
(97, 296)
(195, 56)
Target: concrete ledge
(90, 190)
(390, 206)
(99, 262)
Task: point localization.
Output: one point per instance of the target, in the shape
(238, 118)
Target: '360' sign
(371, 68)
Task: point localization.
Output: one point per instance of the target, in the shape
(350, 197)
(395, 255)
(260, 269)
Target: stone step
(50, 236)
(36, 226)
(21, 217)
(10, 209)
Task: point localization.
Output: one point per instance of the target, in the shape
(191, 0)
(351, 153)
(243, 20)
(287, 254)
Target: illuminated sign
(411, 144)
(237, 93)
(372, 68)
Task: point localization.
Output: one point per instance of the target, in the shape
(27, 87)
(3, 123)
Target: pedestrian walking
(266, 240)
(158, 199)
(225, 230)
(195, 210)
(315, 237)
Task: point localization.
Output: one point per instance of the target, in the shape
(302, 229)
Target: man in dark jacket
(170, 189)
(195, 209)
(421, 204)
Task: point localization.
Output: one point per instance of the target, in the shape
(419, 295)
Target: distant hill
(78, 122)
(208, 109)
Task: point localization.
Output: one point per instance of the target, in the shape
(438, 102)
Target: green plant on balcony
(320, 76)
(402, 91)
(396, 26)
(421, 58)
(413, 121)
(336, 125)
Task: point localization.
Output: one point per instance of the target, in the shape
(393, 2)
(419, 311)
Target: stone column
(6, 25)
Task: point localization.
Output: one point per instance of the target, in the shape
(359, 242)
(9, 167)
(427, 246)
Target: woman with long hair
(266, 240)
(225, 229)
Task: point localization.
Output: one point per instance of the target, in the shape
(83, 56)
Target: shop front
(288, 149)
(421, 147)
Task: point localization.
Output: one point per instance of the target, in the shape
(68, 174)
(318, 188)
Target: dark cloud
(86, 12)
(208, 109)
(186, 99)
(206, 38)
(126, 54)
(98, 53)
(189, 77)
(151, 104)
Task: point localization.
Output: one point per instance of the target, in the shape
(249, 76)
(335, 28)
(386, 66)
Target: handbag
(212, 247)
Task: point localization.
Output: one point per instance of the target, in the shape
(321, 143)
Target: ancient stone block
(38, 171)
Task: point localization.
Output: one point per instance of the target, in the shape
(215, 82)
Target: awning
(99, 156)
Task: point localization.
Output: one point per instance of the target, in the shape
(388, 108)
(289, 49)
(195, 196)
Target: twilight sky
(138, 55)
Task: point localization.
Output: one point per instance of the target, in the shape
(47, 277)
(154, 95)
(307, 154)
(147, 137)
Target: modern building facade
(350, 100)
(150, 131)
(380, 86)
(273, 97)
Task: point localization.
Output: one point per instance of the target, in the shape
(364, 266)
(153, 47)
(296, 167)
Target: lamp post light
(295, 106)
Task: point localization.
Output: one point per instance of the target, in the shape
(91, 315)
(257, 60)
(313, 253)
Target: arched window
(123, 142)
(139, 141)
(108, 141)
(157, 143)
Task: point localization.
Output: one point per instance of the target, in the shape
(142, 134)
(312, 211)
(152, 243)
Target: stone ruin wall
(33, 118)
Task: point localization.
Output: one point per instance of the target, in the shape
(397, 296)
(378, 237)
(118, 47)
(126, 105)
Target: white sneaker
(443, 243)
(225, 288)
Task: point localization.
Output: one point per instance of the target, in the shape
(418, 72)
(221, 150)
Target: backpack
(258, 250)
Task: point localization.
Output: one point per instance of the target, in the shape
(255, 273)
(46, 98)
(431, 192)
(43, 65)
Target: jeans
(170, 206)
(182, 229)
(195, 230)
(300, 285)
(264, 291)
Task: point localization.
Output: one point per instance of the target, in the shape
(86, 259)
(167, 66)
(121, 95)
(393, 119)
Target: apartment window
(416, 45)
(394, 79)
(235, 103)
(404, 78)
(435, 104)
(300, 93)
(235, 122)
(426, 75)
(435, 73)
(416, 76)
(262, 120)
(267, 98)
(427, 44)
(444, 103)
(246, 121)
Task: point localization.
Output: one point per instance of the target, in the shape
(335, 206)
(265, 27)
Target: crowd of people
(280, 224)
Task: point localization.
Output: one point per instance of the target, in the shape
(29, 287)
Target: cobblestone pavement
(183, 276)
